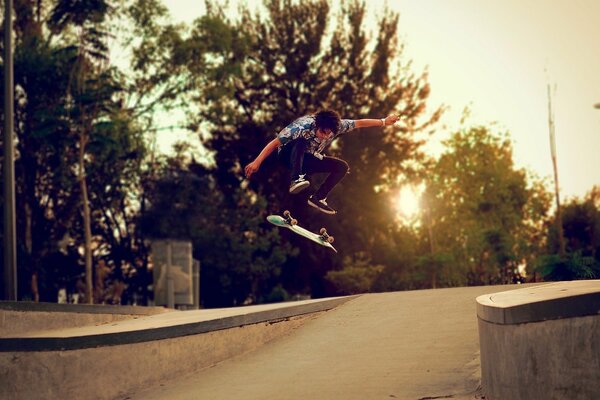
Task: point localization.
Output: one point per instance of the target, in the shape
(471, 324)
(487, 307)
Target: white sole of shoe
(297, 188)
(310, 203)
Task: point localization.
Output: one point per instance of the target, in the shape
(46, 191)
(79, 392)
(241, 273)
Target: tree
(357, 275)
(43, 167)
(483, 211)
(119, 107)
(581, 227)
(267, 69)
(159, 77)
(89, 93)
(239, 263)
(54, 103)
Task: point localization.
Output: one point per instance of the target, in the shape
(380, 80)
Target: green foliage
(64, 89)
(264, 70)
(278, 294)
(581, 229)
(437, 270)
(43, 170)
(399, 253)
(157, 79)
(241, 80)
(357, 275)
(574, 266)
(481, 208)
(78, 13)
(581, 226)
(239, 261)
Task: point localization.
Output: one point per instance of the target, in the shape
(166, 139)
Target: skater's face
(323, 133)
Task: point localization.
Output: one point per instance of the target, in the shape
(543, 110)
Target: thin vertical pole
(10, 231)
(559, 226)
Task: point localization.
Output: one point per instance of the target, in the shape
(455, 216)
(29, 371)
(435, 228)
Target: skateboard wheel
(330, 239)
(294, 222)
(286, 213)
(323, 231)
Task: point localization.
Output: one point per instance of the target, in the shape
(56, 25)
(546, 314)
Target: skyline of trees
(85, 129)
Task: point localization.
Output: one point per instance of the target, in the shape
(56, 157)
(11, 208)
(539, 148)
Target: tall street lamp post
(559, 226)
(10, 231)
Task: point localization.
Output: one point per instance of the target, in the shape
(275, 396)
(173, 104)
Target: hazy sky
(497, 57)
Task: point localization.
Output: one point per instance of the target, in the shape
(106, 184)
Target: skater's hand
(391, 119)
(251, 168)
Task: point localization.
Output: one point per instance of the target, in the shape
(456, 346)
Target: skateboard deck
(288, 222)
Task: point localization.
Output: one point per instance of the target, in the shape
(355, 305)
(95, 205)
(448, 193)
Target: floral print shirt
(305, 127)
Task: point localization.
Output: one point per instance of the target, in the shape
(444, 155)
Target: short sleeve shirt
(306, 127)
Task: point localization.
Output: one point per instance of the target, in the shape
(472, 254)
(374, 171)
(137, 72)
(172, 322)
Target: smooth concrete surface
(548, 301)
(414, 345)
(171, 344)
(80, 308)
(106, 373)
(551, 360)
(18, 318)
(542, 342)
(163, 326)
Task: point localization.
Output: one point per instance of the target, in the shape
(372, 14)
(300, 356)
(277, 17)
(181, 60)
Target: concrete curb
(541, 303)
(109, 361)
(89, 337)
(26, 306)
(541, 342)
(20, 318)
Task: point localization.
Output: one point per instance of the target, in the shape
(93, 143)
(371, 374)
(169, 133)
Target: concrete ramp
(418, 345)
(21, 317)
(109, 360)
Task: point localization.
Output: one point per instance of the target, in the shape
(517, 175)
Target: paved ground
(406, 345)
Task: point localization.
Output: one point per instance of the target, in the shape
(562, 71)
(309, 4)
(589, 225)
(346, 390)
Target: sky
(498, 57)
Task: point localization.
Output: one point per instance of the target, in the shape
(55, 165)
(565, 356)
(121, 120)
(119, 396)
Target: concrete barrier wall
(17, 322)
(111, 360)
(21, 317)
(557, 359)
(112, 372)
(535, 344)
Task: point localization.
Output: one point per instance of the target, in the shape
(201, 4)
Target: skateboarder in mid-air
(300, 147)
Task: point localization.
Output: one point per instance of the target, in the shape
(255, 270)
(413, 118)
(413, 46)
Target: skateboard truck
(325, 236)
(288, 218)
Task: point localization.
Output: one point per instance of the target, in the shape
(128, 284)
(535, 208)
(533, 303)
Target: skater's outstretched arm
(266, 152)
(367, 123)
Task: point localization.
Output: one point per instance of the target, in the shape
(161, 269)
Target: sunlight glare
(407, 202)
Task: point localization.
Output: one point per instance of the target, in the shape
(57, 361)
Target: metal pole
(196, 283)
(559, 225)
(10, 230)
(170, 281)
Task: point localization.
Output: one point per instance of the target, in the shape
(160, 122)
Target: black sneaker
(299, 185)
(321, 205)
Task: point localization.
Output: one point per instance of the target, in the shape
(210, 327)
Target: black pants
(293, 155)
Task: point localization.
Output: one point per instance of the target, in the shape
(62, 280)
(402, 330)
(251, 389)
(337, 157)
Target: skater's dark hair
(328, 119)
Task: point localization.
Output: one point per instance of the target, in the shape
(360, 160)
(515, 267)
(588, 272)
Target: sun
(407, 202)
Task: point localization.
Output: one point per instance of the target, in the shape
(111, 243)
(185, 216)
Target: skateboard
(322, 238)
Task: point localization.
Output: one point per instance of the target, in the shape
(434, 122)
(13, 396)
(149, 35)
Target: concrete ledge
(541, 342)
(163, 326)
(17, 318)
(540, 303)
(110, 361)
(26, 306)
